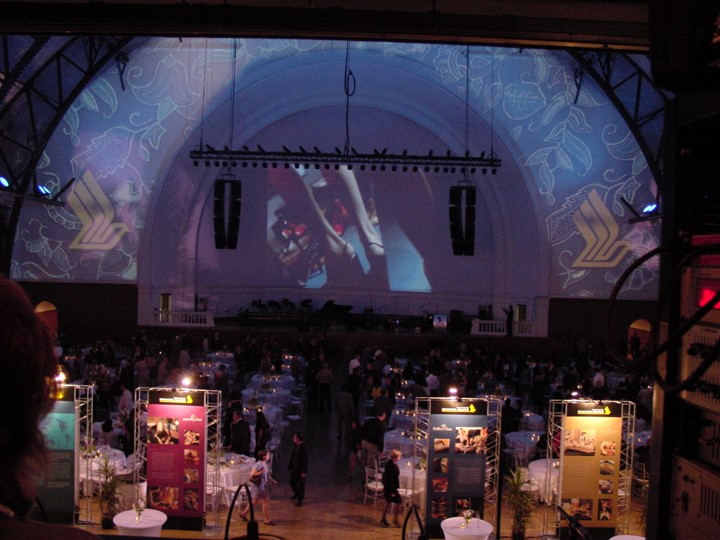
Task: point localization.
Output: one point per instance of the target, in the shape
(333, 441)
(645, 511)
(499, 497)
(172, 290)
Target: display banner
(590, 453)
(57, 494)
(457, 455)
(176, 441)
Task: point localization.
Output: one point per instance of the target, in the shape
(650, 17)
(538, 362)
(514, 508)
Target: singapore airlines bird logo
(96, 213)
(597, 226)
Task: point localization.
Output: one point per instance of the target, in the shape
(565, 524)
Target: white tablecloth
(277, 396)
(477, 529)
(402, 419)
(410, 476)
(90, 467)
(523, 442)
(150, 523)
(396, 440)
(546, 475)
(232, 475)
(272, 381)
(531, 421)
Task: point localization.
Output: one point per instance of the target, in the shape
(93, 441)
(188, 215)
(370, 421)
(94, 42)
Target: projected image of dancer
(312, 232)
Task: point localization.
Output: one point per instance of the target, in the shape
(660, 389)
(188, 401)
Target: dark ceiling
(613, 24)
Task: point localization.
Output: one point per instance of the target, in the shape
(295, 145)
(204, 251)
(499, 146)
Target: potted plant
(109, 493)
(520, 501)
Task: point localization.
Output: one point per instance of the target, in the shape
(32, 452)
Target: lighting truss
(378, 160)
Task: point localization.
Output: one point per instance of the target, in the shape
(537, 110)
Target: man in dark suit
(298, 468)
(240, 434)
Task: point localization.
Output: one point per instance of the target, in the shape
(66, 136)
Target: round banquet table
(272, 381)
(524, 442)
(531, 421)
(538, 471)
(150, 523)
(410, 476)
(477, 529)
(394, 439)
(274, 396)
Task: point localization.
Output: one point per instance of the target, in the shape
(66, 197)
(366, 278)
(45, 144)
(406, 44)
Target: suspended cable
(467, 109)
(349, 86)
(492, 102)
(232, 92)
(202, 106)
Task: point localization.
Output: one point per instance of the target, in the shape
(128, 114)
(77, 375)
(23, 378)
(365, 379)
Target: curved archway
(638, 336)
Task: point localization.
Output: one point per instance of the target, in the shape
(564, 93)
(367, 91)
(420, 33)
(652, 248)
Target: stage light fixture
(649, 212)
(4, 183)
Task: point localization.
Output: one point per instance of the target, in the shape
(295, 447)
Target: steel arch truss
(32, 108)
(635, 96)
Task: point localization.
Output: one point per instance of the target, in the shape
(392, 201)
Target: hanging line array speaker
(226, 206)
(462, 220)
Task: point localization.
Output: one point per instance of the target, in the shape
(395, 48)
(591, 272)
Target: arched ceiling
(521, 100)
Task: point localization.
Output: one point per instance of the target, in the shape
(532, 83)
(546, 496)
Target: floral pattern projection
(120, 138)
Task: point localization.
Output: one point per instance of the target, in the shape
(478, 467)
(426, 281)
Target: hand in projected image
(327, 206)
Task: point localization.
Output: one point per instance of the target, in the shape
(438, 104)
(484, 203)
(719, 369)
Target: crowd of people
(360, 386)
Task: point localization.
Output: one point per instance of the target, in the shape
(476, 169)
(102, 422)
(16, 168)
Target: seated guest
(27, 388)
(107, 435)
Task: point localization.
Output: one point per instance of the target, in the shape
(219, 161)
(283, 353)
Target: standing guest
(257, 482)
(184, 359)
(298, 468)
(345, 411)
(262, 432)
(126, 439)
(126, 400)
(107, 435)
(163, 370)
(324, 379)
(510, 421)
(383, 403)
(221, 382)
(355, 447)
(391, 487)
(142, 373)
(240, 434)
(432, 384)
(354, 363)
(311, 384)
(509, 320)
(373, 439)
(354, 382)
(29, 368)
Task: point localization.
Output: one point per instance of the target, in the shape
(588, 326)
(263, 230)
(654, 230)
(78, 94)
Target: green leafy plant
(110, 501)
(519, 500)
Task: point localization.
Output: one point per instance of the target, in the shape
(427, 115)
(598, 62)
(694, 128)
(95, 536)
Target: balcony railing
(184, 318)
(205, 319)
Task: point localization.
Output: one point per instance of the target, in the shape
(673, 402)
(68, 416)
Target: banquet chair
(295, 409)
(624, 491)
(529, 485)
(382, 459)
(640, 480)
(241, 501)
(213, 497)
(373, 485)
